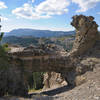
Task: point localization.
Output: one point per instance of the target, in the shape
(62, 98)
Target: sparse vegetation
(64, 41)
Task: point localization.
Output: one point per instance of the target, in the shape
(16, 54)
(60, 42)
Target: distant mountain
(64, 41)
(37, 33)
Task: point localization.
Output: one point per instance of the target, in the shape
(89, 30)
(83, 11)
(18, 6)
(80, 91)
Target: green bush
(35, 80)
(38, 80)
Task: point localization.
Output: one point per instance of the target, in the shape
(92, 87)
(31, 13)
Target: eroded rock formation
(72, 65)
(53, 80)
(86, 38)
(86, 34)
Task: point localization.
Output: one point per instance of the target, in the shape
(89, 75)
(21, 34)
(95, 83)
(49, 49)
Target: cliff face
(72, 66)
(85, 54)
(86, 43)
(86, 34)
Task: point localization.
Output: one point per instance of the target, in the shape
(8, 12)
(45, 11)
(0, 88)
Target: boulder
(53, 80)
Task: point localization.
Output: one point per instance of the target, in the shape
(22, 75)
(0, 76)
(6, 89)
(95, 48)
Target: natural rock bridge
(42, 58)
(48, 58)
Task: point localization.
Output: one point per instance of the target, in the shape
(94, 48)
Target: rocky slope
(90, 90)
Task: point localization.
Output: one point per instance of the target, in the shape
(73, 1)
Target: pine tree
(1, 34)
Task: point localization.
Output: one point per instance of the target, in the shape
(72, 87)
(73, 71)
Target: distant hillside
(64, 41)
(37, 33)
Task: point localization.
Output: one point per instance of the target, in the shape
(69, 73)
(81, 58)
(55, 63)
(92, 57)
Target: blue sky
(45, 14)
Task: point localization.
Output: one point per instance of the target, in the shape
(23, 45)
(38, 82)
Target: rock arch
(51, 58)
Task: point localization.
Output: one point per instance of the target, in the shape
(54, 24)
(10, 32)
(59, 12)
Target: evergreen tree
(1, 36)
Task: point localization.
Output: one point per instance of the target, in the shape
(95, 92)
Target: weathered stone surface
(53, 80)
(83, 57)
(41, 58)
(86, 36)
(12, 82)
(86, 33)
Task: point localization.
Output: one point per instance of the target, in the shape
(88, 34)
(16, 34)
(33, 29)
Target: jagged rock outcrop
(86, 37)
(71, 65)
(86, 34)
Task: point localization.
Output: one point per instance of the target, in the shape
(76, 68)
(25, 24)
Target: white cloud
(45, 9)
(98, 13)
(2, 5)
(53, 7)
(33, 1)
(26, 11)
(3, 18)
(85, 4)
